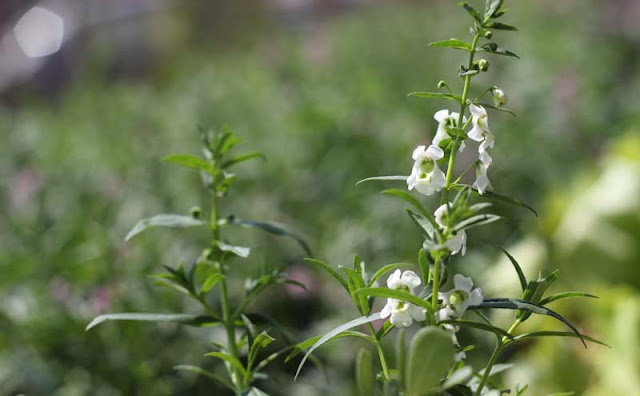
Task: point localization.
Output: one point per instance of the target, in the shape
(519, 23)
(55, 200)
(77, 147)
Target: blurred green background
(320, 88)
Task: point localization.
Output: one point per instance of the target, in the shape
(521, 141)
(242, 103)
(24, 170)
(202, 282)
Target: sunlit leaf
(394, 293)
(163, 220)
(567, 294)
(557, 334)
(472, 11)
(210, 282)
(242, 158)
(188, 319)
(240, 251)
(230, 359)
(452, 43)
(331, 334)
(430, 348)
(189, 161)
(379, 178)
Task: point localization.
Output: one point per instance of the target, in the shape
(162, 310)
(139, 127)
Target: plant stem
(494, 356)
(383, 361)
(463, 108)
(227, 318)
(435, 286)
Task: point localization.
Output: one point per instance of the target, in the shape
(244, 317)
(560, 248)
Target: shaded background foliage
(319, 87)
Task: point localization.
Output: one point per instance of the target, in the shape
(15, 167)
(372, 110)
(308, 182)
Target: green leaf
(210, 282)
(492, 7)
(479, 325)
(240, 251)
(438, 95)
(535, 291)
(355, 282)
(500, 26)
(476, 221)
(230, 359)
(330, 335)
(472, 11)
(460, 376)
(512, 303)
(188, 319)
(384, 270)
(492, 107)
(397, 294)
(499, 197)
(330, 270)
(495, 49)
(195, 369)
(189, 161)
(401, 354)
(568, 294)
(407, 197)
(428, 227)
(163, 220)
(430, 348)
(556, 334)
(403, 178)
(262, 341)
(423, 262)
(273, 228)
(242, 158)
(452, 43)
(364, 373)
(516, 266)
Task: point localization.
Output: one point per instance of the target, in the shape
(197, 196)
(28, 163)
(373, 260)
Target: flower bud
(488, 34)
(195, 212)
(499, 97)
(483, 65)
(442, 84)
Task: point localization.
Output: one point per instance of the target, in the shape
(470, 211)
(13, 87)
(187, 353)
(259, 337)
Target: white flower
(499, 97)
(426, 176)
(445, 119)
(456, 244)
(403, 313)
(447, 313)
(480, 131)
(482, 180)
(461, 297)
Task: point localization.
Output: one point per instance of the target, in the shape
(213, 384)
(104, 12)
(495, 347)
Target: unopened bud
(488, 34)
(442, 84)
(483, 65)
(499, 97)
(196, 212)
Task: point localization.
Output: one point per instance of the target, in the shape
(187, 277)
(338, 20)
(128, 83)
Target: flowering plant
(247, 335)
(434, 362)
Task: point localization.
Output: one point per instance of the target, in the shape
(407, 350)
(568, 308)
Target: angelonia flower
(403, 313)
(458, 242)
(426, 176)
(456, 302)
(480, 132)
(499, 97)
(446, 119)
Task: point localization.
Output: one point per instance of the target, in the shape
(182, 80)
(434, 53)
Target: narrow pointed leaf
(188, 319)
(397, 294)
(512, 303)
(163, 220)
(476, 221)
(437, 95)
(472, 11)
(427, 226)
(188, 161)
(568, 294)
(377, 178)
(230, 359)
(557, 334)
(504, 198)
(384, 270)
(273, 228)
(407, 197)
(327, 337)
(240, 251)
(195, 369)
(495, 49)
(242, 158)
(210, 282)
(492, 107)
(516, 266)
(330, 270)
(479, 325)
(298, 348)
(253, 391)
(452, 43)
(501, 26)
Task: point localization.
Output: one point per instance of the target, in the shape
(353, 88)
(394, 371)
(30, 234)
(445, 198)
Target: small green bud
(196, 212)
(442, 84)
(488, 34)
(483, 65)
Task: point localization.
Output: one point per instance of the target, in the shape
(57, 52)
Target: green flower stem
(463, 108)
(471, 166)
(435, 286)
(227, 318)
(383, 360)
(494, 356)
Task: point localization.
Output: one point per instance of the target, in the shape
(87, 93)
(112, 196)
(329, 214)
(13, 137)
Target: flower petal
(401, 319)
(393, 282)
(462, 282)
(417, 152)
